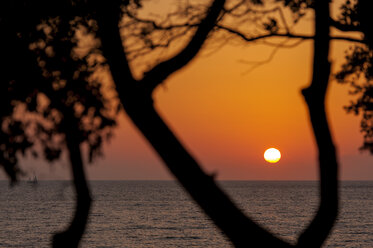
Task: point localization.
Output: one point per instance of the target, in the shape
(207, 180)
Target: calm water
(160, 214)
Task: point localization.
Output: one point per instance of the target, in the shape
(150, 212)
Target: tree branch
(265, 61)
(158, 26)
(163, 70)
(286, 35)
(344, 27)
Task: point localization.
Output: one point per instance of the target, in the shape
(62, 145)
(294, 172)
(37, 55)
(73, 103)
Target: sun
(272, 155)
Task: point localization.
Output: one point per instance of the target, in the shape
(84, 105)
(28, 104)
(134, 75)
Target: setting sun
(272, 155)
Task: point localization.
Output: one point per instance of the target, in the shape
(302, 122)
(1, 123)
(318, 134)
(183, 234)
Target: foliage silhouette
(357, 71)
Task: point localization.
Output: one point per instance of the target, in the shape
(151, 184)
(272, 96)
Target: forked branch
(164, 69)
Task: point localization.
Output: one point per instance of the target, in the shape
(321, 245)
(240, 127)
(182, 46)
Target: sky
(226, 116)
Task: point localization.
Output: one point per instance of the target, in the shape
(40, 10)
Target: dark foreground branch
(242, 231)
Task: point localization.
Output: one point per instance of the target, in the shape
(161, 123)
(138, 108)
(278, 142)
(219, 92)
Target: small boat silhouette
(33, 180)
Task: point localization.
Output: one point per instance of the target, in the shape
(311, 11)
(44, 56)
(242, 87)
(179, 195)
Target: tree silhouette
(61, 95)
(85, 111)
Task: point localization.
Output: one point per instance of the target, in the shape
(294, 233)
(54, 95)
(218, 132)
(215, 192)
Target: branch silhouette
(286, 35)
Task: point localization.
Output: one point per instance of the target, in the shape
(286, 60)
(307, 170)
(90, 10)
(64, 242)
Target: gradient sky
(227, 117)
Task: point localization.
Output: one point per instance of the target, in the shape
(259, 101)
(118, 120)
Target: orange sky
(227, 118)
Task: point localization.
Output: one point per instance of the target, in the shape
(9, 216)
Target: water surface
(160, 214)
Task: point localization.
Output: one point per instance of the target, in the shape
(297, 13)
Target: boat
(33, 181)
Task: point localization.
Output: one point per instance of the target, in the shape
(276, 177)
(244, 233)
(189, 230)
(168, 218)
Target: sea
(161, 214)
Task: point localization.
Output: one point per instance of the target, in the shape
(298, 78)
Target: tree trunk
(323, 222)
(73, 234)
(217, 205)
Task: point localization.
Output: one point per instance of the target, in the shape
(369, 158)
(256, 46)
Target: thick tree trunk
(323, 222)
(72, 235)
(217, 205)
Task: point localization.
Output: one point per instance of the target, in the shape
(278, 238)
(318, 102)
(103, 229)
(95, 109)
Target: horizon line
(219, 180)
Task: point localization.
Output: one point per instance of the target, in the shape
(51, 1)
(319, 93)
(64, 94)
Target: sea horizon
(218, 180)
